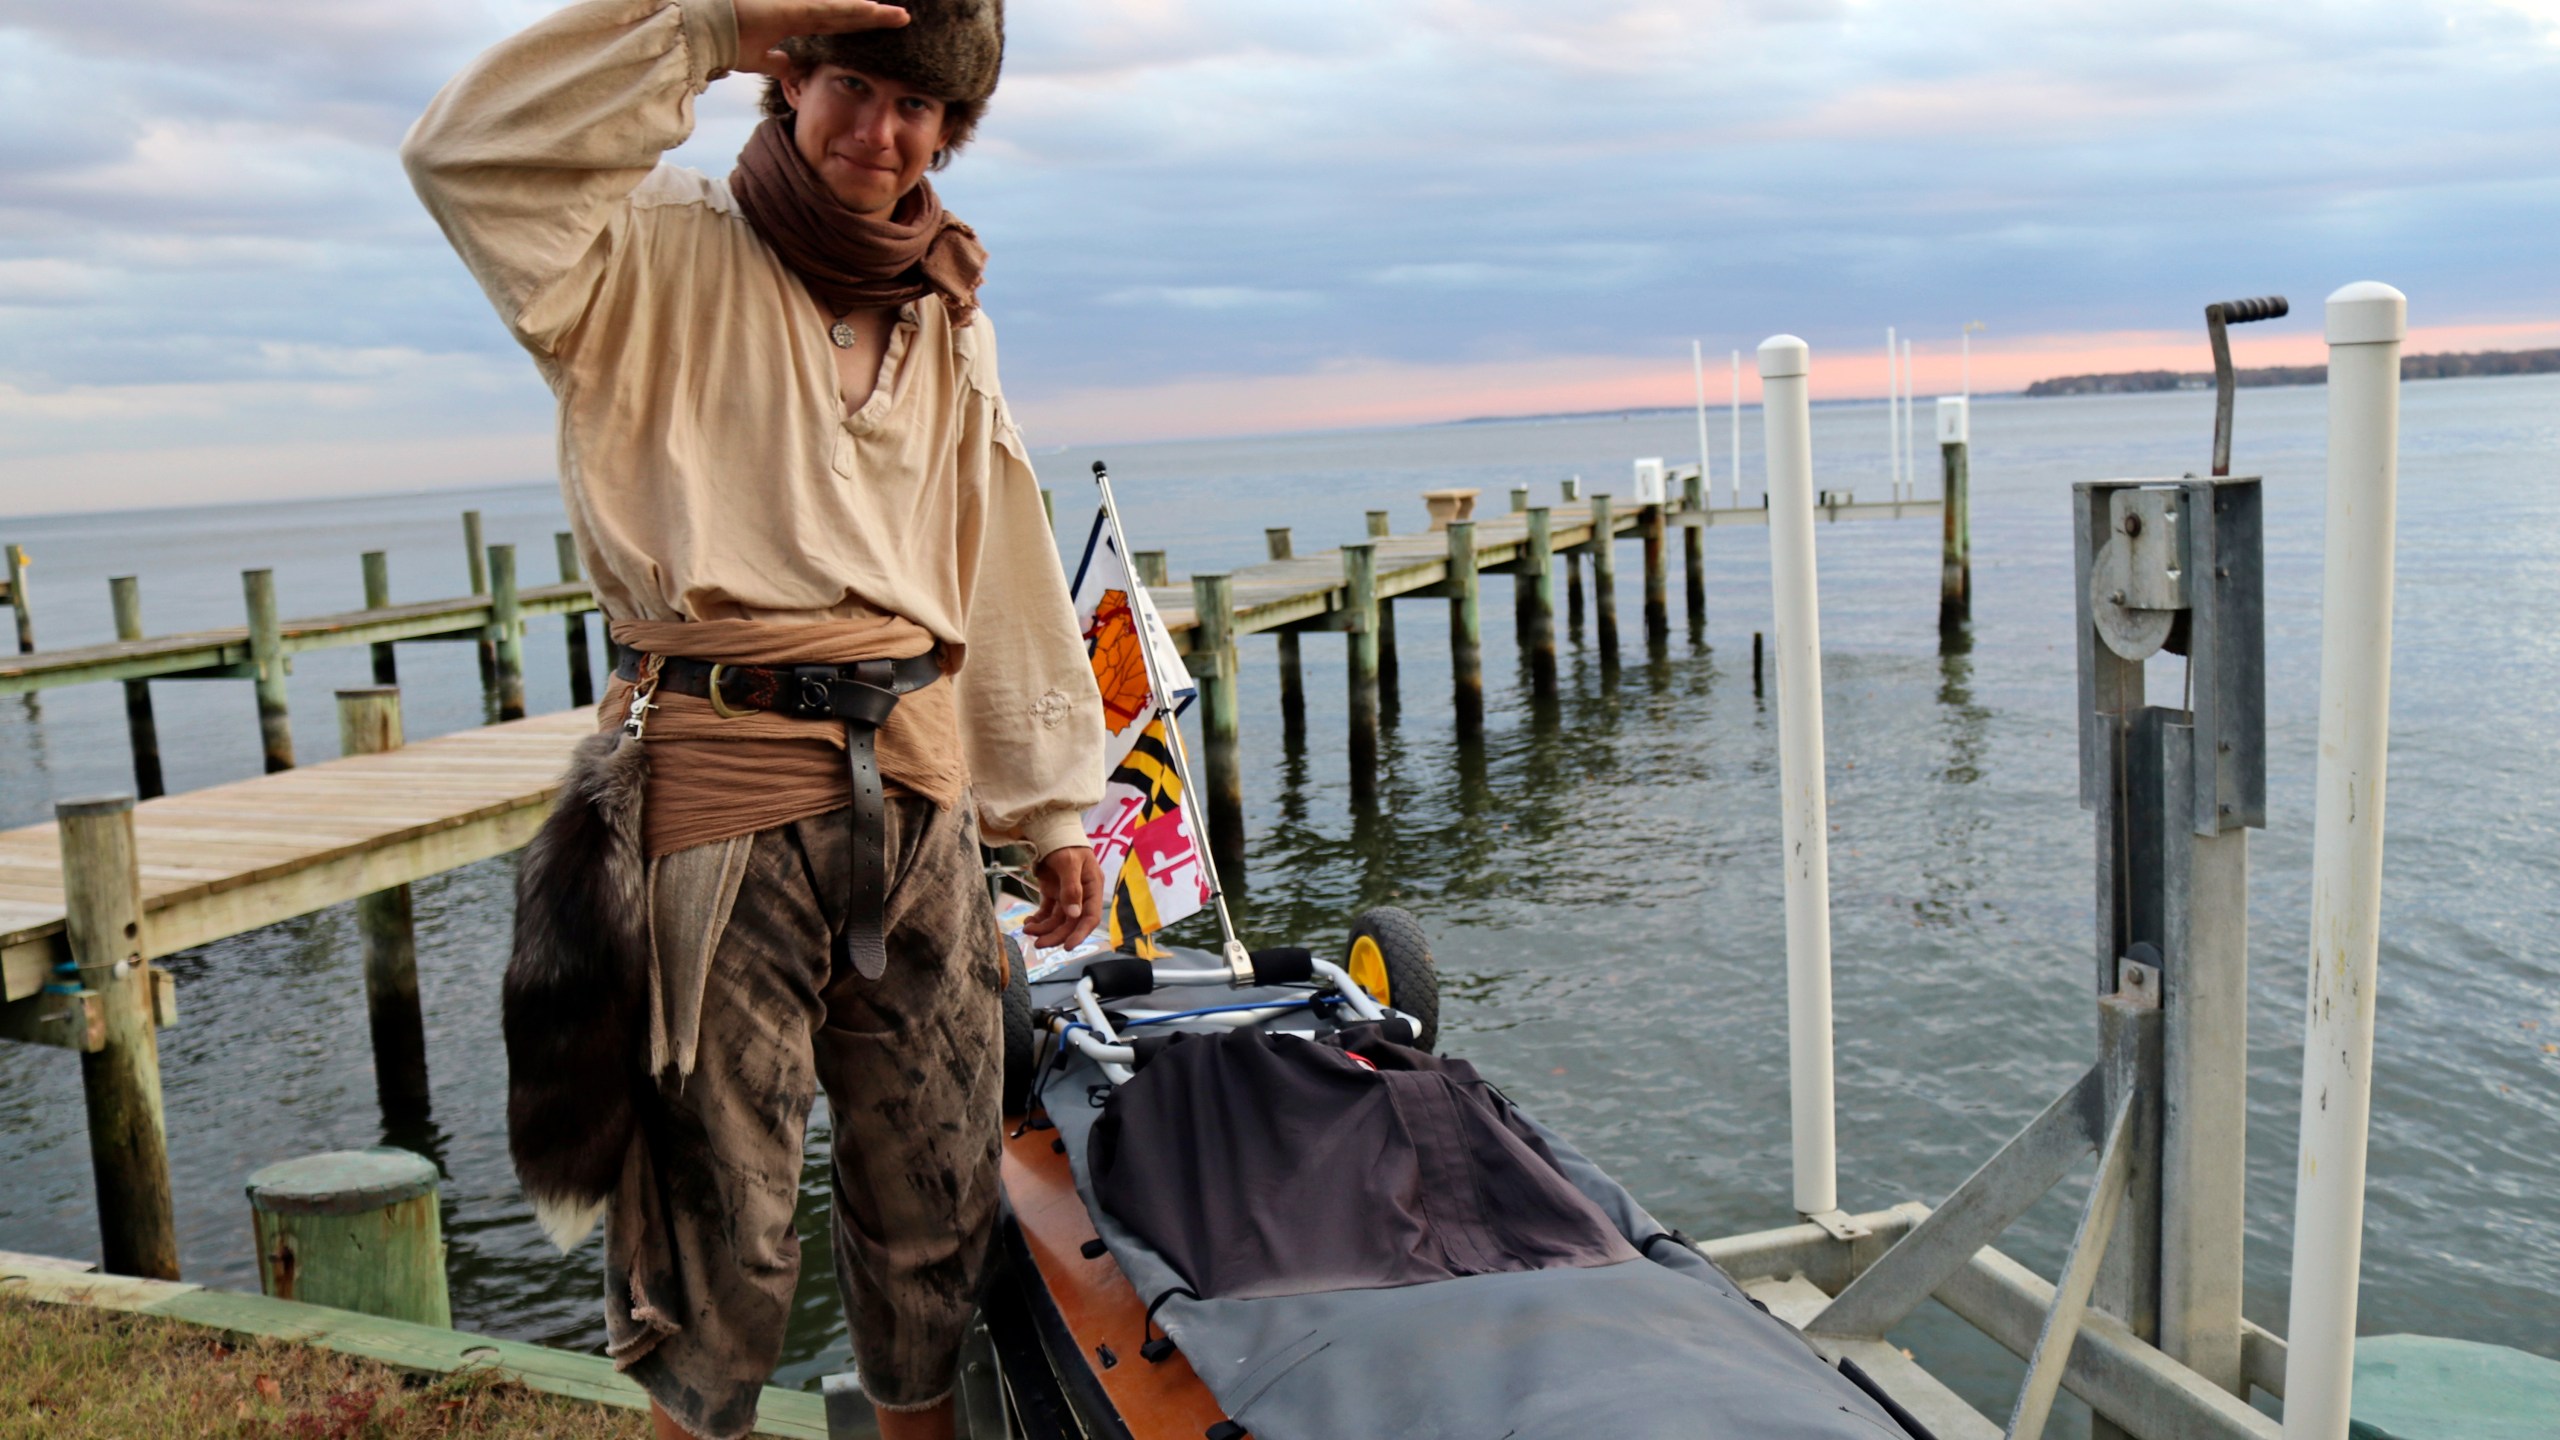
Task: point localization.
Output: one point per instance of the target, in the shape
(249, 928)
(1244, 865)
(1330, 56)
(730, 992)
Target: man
(810, 523)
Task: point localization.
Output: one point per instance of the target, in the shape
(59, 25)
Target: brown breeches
(701, 1258)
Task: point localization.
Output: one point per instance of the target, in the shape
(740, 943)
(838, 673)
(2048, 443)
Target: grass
(72, 1373)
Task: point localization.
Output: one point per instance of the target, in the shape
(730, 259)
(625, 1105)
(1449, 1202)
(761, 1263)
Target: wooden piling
(506, 631)
(369, 724)
(266, 652)
(1360, 620)
(1293, 677)
(1149, 566)
(1650, 524)
(582, 679)
(128, 1136)
(1213, 665)
(354, 1230)
(1381, 525)
(1955, 556)
(1693, 554)
(476, 550)
(1604, 574)
(1519, 499)
(19, 605)
(377, 595)
(1571, 488)
(1466, 630)
(125, 593)
(1755, 662)
(1539, 585)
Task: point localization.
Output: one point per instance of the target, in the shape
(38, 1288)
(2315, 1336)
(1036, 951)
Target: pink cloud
(1355, 394)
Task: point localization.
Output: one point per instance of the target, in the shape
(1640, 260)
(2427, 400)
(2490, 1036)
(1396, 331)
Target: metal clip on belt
(862, 695)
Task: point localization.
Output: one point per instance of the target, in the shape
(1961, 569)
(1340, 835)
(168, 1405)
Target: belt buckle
(813, 690)
(711, 691)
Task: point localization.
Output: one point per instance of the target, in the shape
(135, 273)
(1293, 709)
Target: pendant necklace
(842, 334)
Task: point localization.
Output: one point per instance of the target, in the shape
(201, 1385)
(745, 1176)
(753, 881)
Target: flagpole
(1237, 961)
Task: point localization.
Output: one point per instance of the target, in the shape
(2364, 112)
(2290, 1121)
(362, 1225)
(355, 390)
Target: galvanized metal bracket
(1840, 1225)
(1986, 1204)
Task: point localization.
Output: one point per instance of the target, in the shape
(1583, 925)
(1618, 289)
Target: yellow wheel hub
(1369, 968)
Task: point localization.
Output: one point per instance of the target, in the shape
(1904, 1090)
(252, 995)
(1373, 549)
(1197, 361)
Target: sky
(1238, 217)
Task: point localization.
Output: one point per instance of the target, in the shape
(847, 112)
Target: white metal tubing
(1786, 422)
(1892, 415)
(1706, 480)
(2366, 323)
(1910, 424)
(1349, 989)
(1737, 430)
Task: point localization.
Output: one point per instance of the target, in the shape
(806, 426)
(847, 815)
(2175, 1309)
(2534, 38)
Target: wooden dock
(235, 857)
(87, 902)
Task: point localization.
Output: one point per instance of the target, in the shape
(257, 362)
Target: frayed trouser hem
(908, 1408)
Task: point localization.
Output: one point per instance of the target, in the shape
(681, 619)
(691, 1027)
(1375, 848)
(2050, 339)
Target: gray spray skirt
(1665, 1345)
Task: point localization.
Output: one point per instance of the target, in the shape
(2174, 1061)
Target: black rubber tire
(1413, 978)
(1020, 1045)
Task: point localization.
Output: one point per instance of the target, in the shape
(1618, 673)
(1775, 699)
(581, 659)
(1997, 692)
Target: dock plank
(234, 857)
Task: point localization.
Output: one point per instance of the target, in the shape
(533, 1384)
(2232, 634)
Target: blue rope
(1220, 1010)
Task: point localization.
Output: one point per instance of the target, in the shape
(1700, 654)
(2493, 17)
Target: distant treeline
(2412, 367)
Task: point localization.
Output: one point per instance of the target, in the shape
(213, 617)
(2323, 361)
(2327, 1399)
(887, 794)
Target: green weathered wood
(1381, 528)
(1466, 629)
(20, 606)
(76, 1021)
(1955, 557)
(475, 550)
(1604, 574)
(582, 676)
(1519, 499)
(128, 1136)
(1360, 580)
(1693, 562)
(377, 596)
(354, 1230)
(1213, 662)
(1293, 675)
(1148, 566)
(266, 651)
(1657, 574)
(1537, 582)
(124, 593)
(369, 724)
(506, 632)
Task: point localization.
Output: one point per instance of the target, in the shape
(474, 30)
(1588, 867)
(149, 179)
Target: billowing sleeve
(1030, 714)
(529, 157)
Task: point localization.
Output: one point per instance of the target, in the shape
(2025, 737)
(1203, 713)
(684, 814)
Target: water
(1601, 878)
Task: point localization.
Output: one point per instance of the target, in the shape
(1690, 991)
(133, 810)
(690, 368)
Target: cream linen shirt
(709, 464)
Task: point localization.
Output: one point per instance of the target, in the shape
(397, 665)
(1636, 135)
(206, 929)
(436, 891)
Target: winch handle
(2217, 316)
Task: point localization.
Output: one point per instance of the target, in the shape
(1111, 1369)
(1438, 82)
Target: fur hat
(948, 48)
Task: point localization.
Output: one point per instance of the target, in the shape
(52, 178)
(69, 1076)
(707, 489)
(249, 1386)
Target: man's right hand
(764, 24)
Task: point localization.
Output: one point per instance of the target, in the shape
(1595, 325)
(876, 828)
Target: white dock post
(1787, 422)
(1736, 470)
(1910, 427)
(1706, 481)
(2366, 323)
(1892, 415)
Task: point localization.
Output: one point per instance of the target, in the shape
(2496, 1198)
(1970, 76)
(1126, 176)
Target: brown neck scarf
(847, 259)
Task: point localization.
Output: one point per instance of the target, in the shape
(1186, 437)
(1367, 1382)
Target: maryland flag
(1152, 870)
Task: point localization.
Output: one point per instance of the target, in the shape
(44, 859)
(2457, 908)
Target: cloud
(1360, 211)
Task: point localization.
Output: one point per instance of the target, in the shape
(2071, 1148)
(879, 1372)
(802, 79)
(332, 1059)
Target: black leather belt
(861, 695)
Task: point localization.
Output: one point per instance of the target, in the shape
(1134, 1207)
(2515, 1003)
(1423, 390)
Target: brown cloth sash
(714, 779)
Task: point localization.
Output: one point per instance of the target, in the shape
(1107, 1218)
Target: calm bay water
(1600, 876)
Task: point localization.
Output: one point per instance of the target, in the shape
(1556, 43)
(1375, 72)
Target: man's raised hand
(764, 24)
